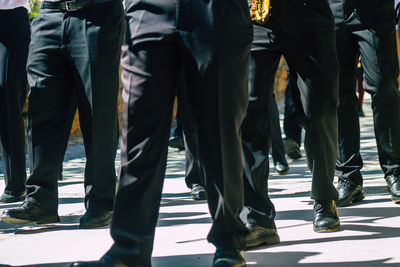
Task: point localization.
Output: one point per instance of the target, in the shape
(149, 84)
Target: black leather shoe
(261, 236)
(176, 142)
(393, 183)
(95, 218)
(29, 213)
(105, 261)
(292, 149)
(349, 193)
(8, 198)
(281, 168)
(198, 192)
(326, 216)
(228, 257)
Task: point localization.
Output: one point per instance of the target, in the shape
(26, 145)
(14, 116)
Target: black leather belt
(73, 5)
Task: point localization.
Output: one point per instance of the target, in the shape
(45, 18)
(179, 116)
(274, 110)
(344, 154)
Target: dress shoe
(198, 192)
(8, 198)
(95, 218)
(29, 213)
(176, 142)
(105, 261)
(393, 183)
(292, 149)
(326, 216)
(261, 236)
(228, 257)
(349, 193)
(281, 168)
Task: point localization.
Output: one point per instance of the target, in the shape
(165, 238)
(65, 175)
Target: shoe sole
(326, 229)
(200, 196)
(98, 224)
(40, 220)
(396, 199)
(271, 240)
(356, 198)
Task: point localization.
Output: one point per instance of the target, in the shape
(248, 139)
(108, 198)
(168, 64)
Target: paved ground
(370, 234)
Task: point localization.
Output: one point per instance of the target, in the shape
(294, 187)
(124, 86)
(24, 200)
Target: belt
(72, 5)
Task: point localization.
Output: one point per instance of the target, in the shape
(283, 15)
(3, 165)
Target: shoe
(29, 213)
(393, 183)
(281, 168)
(8, 198)
(326, 216)
(292, 149)
(106, 261)
(228, 257)
(261, 236)
(94, 218)
(349, 193)
(198, 192)
(176, 142)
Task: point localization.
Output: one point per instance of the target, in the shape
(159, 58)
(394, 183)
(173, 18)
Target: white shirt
(11, 4)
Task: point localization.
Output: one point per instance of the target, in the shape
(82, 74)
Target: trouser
(277, 150)
(210, 41)
(14, 42)
(376, 46)
(291, 125)
(193, 169)
(74, 51)
(311, 56)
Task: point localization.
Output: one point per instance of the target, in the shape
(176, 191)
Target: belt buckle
(68, 6)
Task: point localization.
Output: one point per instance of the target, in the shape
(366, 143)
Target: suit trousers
(74, 51)
(277, 149)
(291, 125)
(311, 56)
(374, 41)
(193, 169)
(14, 43)
(210, 42)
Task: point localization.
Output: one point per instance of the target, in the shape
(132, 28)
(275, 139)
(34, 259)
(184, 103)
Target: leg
(13, 89)
(311, 56)
(379, 58)
(277, 149)
(140, 187)
(49, 78)
(176, 141)
(194, 178)
(291, 125)
(95, 52)
(349, 162)
(256, 144)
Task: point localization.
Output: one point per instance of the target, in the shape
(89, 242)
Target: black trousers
(311, 56)
(291, 125)
(374, 40)
(193, 169)
(277, 149)
(14, 42)
(74, 51)
(210, 41)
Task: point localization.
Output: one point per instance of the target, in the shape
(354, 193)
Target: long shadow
(257, 259)
(70, 222)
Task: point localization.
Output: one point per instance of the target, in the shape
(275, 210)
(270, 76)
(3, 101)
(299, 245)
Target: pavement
(369, 236)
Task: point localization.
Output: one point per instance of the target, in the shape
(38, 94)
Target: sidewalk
(370, 234)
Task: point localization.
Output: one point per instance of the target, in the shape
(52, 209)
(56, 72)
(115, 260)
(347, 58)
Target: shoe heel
(360, 196)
